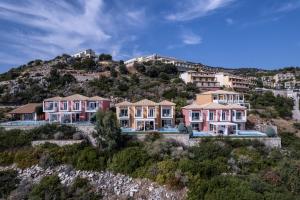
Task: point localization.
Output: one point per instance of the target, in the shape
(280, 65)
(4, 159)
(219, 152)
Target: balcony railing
(92, 108)
(166, 115)
(196, 119)
(239, 119)
(123, 115)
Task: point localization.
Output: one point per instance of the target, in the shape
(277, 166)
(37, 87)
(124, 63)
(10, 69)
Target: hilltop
(65, 75)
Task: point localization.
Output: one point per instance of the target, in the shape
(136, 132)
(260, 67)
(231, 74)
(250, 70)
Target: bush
(182, 128)
(270, 132)
(14, 139)
(90, 159)
(222, 188)
(128, 160)
(6, 158)
(26, 158)
(296, 125)
(49, 188)
(82, 189)
(8, 182)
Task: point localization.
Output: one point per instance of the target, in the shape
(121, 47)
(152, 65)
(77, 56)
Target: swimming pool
(24, 123)
(160, 130)
(168, 130)
(201, 134)
(251, 133)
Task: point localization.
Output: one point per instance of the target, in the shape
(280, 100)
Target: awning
(223, 123)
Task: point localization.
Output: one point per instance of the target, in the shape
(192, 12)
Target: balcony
(92, 106)
(166, 115)
(239, 119)
(123, 115)
(196, 119)
(50, 107)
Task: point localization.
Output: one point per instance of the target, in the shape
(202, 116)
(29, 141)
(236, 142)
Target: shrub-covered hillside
(65, 75)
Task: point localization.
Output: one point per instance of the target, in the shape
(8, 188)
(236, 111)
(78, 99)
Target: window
(195, 126)
(76, 105)
(140, 126)
(223, 116)
(211, 116)
(92, 105)
(211, 127)
(238, 115)
(166, 123)
(195, 116)
(49, 106)
(138, 112)
(123, 112)
(124, 123)
(64, 105)
(166, 112)
(151, 112)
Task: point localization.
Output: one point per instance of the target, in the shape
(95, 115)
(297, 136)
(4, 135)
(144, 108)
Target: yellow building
(145, 115)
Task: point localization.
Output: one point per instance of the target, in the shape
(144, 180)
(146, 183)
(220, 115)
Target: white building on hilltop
(180, 64)
(89, 53)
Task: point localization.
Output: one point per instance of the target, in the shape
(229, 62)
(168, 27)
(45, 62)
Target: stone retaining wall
(267, 141)
(187, 141)
(57, 142)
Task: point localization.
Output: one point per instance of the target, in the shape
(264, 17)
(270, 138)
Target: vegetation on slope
(215, 169)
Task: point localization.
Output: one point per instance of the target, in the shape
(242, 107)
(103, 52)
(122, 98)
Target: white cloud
(288, 6)
(190, 38)
(68, 26)
(229, 21)
(193, 9)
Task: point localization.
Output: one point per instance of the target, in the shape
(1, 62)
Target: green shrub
(49, 188)
(222, 188)
(14, 139)
(128, 160)
(26, 158)
(270, 132)
(90, 159)
(296, 125)
(82, 189)
(6, 158)
(8, 182)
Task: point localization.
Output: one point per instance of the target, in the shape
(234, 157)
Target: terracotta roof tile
(166, 103)
(145, 102)
(76, 97)
(26, 109)
(124, 103)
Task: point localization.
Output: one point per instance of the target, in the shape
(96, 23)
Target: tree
(123, 69)
(105, 57)
(113, 72)
(108, 132)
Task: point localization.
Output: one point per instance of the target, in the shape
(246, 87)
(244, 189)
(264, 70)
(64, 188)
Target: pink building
(74, 108)
(215, 118)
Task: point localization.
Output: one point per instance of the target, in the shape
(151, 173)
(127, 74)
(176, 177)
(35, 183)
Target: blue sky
(229, 33)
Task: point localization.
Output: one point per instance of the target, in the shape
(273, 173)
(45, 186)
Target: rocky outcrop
(112, 186)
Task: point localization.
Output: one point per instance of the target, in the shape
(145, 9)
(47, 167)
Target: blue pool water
(24, 123)
(161, 130)
(201, 134)
(168, 130)
(251, 133)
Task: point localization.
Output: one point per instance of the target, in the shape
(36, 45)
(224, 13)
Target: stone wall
(181, 138)
(187, 141)
(57, 142)
(267, 141)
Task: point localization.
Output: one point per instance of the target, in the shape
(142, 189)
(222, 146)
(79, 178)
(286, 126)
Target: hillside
(65, 75)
